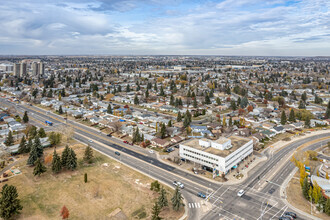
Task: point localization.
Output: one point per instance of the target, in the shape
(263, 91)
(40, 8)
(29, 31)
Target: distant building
(17, 69)
(221, 155)
(6, 67)
(23, 69)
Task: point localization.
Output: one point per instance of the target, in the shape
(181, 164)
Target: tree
(22, 146)
(33, 157)
(305, 188)
(85, 177)
(88, 156)
(162, 199)
(233, 105)
(39, 147)
(207, 99)
(327, 113)
(307, 122)
(39, 168)
(60, 110)
(186, 121)
(42, 133)
(9, 202)
(218, 101)
(179, 117)
(64, 212)
(195, 105)
(10, 139)
(230, 122)
(283, 118)
(25, 117)
(169, 124)
(292, 117)
(56, 163)
(29, 146)
(65, 154)
(250, 108)
(163, 131)
(177, 199)
(136, 100)
(71, 162)
(155, 212)
(316, 192)
(301, 105)
(304, 97)
(327, 207)
(109, 109)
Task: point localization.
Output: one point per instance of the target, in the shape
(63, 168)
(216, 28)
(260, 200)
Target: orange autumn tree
(65, 212)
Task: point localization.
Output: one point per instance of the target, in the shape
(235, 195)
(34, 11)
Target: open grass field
(110, 186)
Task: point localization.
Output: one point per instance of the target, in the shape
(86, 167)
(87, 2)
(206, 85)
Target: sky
(165, 27)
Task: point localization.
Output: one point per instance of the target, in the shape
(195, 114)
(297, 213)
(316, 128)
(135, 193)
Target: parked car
(294, 215)
(151, 151)
(240, 193)
(126, 142)
(202, 195)
(117, 153)
(179, 184)
(170, 149)
(90, 141)
(109, 135)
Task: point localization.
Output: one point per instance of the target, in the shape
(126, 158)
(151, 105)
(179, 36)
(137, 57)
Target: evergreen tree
(155, 212)
(65, 154)
(230, 122)
(161, 93)
(163, 131)
(233, 105)
(22, 146)
(283, 118)
(327, 207)
(9, 203)
(292, 117)
(305, 188)
(179, 117)
(42, 133)
(147, 93)
(39, 147)
(56, 163)
(327, 113)
(29, 146)
(218, 101)
(304, 97)
(136, 100)
(186, 121)
(172, 100)
(308, 122)
(195, 103)
(25, 117)
(60, 110)
(39, 168)
(33, 157)
(10, 139)
(162, 199)
(109, 109)
(301, 105)
(88, 156)
(71, 162)
(177, 199)
(207, 99)
(128, 88)
(169, 124)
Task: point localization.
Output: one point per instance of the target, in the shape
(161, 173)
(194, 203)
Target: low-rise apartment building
(221, 155)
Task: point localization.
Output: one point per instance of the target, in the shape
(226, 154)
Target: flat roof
(236, 143)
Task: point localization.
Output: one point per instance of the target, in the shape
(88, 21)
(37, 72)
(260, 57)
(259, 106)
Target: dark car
(288, 216)
(292, 214)
(109, 135)
(117, 153)
(202, 195)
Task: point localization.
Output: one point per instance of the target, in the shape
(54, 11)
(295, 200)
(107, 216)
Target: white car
(90, 141)
(179, 184)
(240, 193)
(151, 151)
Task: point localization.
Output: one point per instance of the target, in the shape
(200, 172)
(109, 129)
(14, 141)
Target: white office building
(221, 155)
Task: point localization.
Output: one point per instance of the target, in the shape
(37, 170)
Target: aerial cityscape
(180, 110)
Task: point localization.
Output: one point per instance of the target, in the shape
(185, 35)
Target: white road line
(284, 207)
(189, 205)
(198, 205)
(195, 205)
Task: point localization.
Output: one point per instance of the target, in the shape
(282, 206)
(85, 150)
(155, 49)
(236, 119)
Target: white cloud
(256, 27)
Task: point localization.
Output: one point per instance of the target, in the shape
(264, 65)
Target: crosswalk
(194, 205)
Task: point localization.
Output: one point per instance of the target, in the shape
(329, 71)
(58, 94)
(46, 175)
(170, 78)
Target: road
(226, 204)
